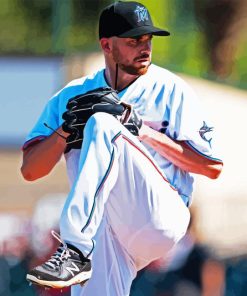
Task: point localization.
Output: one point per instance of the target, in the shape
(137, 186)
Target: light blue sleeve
(50, 116)
(55, 107)
(189, 123)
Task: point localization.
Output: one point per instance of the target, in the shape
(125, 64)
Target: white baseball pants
(121, 210)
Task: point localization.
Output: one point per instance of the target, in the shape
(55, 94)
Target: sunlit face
(133, 55)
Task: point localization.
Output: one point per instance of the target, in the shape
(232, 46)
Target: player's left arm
(180, 154)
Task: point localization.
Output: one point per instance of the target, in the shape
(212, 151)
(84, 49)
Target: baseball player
(131, 181)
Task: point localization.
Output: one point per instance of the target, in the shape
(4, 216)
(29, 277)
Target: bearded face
(133, 56)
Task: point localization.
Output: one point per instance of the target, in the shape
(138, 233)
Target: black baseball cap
(127, 19)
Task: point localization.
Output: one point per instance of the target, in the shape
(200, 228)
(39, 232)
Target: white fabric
(145, 217)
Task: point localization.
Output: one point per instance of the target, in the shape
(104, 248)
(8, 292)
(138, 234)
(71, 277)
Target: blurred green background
(208, 39)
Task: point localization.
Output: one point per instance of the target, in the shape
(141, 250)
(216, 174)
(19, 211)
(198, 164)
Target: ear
(105, 45)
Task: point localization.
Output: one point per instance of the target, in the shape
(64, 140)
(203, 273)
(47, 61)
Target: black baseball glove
(81, 107)
(134, 123)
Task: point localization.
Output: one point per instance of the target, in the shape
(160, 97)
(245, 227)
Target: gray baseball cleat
(66, 267)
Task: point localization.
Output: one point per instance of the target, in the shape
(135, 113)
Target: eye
(132, 42)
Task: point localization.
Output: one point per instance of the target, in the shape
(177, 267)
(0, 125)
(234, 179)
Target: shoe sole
(80, 278)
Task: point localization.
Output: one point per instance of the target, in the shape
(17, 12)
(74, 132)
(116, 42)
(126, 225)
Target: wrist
(144, 132)
(62, 133)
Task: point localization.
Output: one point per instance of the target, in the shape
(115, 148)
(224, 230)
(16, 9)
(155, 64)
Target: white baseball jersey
(126, 206)
(164, 100)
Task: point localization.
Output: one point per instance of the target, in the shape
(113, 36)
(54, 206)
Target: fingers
(114, 109)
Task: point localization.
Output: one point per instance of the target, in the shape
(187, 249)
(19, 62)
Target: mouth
(142, 58)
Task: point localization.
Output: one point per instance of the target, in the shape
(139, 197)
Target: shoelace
(60, 255)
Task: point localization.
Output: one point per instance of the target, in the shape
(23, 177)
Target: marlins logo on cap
(142, 14)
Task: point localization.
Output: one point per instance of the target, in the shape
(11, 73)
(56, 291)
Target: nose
(147, 46)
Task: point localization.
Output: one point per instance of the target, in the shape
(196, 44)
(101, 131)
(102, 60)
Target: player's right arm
(40, 158)
(43, 147)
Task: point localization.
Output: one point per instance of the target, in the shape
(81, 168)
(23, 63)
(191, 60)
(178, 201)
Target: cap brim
(143, 30)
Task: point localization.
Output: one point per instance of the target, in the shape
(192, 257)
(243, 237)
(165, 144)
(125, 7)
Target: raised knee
(101, 121)
(101, 116)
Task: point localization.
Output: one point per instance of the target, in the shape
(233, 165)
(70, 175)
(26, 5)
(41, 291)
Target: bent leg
(147, 215)
(118, 177)
(97, 174)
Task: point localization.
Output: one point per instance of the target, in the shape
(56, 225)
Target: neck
(123, 78)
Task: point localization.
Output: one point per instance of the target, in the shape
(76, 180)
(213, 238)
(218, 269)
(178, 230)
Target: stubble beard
(129, 68)
(134, 70)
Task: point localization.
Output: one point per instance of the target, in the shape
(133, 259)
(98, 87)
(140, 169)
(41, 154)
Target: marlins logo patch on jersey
(204, 130)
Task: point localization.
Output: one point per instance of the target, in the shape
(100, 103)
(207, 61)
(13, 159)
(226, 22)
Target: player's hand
(134, 123)
(81, 107)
